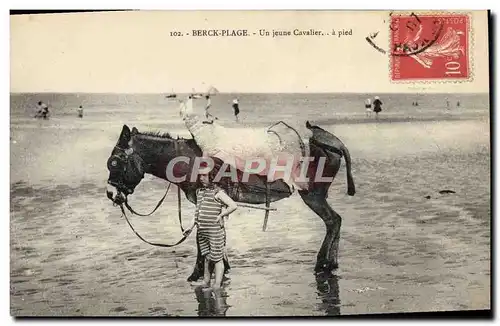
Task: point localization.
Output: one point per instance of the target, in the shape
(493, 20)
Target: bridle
(186, 233)
(113, 163)
(118, 163)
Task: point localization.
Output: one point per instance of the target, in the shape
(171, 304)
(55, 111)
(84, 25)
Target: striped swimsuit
(211, 235)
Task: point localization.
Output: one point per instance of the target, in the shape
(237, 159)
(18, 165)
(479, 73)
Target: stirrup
(268, 204)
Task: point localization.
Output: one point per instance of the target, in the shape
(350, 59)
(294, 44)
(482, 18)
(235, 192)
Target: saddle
(278, 145)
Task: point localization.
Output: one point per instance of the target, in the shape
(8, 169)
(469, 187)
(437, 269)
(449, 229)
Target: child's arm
(226, 200)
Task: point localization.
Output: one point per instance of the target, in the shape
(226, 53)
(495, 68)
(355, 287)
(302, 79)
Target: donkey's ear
(124, 137)
(125, 129)
(134, 131)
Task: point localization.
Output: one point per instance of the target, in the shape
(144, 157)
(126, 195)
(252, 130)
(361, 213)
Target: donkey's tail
(351, 188)
(327, 140)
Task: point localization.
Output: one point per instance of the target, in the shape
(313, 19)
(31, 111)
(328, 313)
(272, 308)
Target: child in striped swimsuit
(209, 216)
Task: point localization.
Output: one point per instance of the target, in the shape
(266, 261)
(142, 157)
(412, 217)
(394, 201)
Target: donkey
(138, 153)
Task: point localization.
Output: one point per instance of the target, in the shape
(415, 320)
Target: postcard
(250, 163)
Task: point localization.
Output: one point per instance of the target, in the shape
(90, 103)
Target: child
(209, 216)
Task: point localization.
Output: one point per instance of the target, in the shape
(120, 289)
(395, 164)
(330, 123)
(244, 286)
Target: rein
(186, 233)
(164, 245)
(154, 210)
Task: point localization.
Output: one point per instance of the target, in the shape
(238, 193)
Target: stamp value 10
(429, 47)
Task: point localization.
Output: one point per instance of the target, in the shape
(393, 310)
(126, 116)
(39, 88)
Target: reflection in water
(328, 292)
(211, 302)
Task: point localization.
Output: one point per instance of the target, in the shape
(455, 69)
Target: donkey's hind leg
(327, 259)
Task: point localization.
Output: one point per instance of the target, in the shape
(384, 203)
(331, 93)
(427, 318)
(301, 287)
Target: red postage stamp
(429, 47)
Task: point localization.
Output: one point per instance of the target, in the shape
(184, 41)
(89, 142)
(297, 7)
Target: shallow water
(72, 253)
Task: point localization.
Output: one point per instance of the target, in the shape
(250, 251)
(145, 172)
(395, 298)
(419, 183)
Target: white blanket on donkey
(237, 146)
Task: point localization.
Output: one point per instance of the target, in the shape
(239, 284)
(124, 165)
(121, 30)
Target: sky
(135, 52)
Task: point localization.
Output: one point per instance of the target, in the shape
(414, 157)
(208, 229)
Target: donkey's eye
(114, 164)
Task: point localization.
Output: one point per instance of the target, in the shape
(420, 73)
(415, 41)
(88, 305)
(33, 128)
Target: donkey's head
(126, 167)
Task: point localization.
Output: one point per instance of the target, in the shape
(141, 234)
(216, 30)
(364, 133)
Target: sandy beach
(404, 246)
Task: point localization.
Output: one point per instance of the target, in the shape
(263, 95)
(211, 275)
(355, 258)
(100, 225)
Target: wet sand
(72, 253)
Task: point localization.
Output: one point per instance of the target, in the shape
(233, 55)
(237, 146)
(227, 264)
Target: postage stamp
(430, 47)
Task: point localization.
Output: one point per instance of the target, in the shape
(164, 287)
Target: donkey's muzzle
(115, 195)
(119, 199)
(109, 194)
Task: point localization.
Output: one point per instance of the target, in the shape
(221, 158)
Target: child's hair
(204, 165)
(211, 175)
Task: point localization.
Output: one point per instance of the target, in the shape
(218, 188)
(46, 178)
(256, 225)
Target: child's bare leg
(219, 273)
(207, 272)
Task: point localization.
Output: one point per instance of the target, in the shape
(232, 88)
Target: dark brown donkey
(138, 153)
